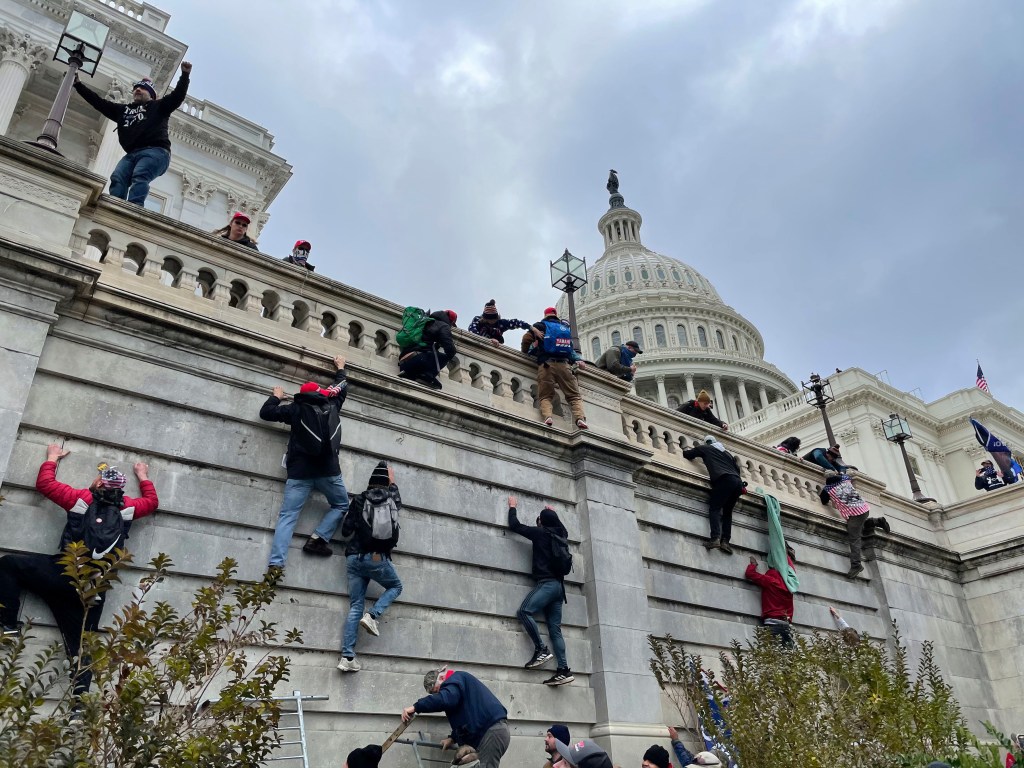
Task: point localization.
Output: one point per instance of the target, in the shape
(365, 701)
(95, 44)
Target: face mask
(300, 255)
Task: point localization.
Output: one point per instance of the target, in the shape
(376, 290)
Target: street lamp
(818, 392)
(568, 274)
(897, 430)
(80, 47)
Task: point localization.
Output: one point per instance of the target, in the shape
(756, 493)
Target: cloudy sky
(848, 173)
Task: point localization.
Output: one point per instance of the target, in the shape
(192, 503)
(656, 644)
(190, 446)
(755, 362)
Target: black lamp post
(818, 392)
(80, 47)
(568, 274)
(897, 430)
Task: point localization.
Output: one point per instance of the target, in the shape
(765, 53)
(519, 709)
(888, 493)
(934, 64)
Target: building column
(720, 404)
(744, 400)
(763, 394)
(662, 394)
(690, 393)
(109, 152)
(18, 57)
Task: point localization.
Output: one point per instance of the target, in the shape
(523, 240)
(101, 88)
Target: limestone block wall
(126, 368)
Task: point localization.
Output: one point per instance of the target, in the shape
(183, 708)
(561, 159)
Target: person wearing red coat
(776, 599)
(44, 575)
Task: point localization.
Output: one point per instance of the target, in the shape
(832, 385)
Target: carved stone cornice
(22, 49)
(934, 454)
(197, 188)
(848, 436)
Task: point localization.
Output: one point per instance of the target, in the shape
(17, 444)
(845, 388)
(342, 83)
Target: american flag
(982, 384)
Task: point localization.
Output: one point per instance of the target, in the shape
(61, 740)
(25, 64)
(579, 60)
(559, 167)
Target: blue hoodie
(469, 705)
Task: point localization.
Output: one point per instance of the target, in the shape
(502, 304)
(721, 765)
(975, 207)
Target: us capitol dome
(691, 339)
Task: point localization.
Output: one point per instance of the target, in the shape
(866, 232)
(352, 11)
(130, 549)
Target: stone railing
(990, 518)
(193, 107)
(793, 402)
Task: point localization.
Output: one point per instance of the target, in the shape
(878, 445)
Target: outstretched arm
(64, 496)
(108, 109)
(174, 99)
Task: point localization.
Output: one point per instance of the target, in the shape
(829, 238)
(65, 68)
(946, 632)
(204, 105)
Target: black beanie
(367, 757)
(658, 755)
(379, 476)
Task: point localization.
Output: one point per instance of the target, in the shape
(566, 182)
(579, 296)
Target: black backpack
(317, 430)
(561, 557)
(101, 528)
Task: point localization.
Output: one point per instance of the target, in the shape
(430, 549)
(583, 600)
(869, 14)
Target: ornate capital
(848, 436)
(934, 454)
(22, 50)
(975, 451)
(196, 188)
(117, 91)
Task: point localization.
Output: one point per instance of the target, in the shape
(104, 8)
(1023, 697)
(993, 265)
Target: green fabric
(777, 545)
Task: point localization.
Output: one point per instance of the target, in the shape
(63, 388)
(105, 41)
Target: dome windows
(616, 338)
(675, 275)
(719, 339)
(597, 283)
(629, 276)
(659, 336)
(735, 343)
(644, 274)
(595, 347)
(681, 334)
(702, 336)
(611, 278)
(638, 336)
(660, 273)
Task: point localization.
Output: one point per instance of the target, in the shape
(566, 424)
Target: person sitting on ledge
(300, 255)
(618, 361)
(789, 446)
(700, 408)
(236, 231)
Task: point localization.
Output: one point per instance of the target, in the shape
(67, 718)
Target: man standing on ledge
(142, 132)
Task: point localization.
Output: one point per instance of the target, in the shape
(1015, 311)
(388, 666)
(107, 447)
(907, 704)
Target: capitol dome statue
(691, 339)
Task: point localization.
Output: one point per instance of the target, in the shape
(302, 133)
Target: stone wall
(121, 367)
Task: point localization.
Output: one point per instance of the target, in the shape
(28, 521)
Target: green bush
(170, 689)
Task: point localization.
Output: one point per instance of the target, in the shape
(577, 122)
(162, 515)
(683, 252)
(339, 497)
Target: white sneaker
(370, 624)
(349, 665)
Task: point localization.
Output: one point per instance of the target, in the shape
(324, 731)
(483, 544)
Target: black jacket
(139, 125)
(690, 408)
(355, 526)
(301, 466)
(291, 260)
(247, 241)
(719, 463)
(438, 331)
(540, 536)
(988, 481)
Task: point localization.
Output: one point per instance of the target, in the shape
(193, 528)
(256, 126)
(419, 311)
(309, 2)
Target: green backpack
(414, 322)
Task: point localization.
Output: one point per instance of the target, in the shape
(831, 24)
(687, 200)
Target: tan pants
(548, 375)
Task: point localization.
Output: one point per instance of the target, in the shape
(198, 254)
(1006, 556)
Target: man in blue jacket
(476, 716)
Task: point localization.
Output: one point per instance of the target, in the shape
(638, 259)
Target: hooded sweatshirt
(719, 462)
(541, 538)
(139, 126)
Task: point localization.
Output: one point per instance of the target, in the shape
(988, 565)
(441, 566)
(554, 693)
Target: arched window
(661, 273)
(169, 271)
(675, 275)
(611, 278)
(597, 283)
(720, 339)
(238, 293)
(735, 344)
(204, 283)
(684, 340)
(595, 347)
(702, 336)
(616, 338)
(659, 336)
(583, 291)
(689, 278)
(644, 274)
(638, 336)
(629, 276)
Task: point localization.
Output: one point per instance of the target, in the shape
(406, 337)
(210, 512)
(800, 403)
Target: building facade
(692, 340)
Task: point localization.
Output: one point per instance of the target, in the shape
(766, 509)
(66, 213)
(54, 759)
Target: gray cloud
(846, 173)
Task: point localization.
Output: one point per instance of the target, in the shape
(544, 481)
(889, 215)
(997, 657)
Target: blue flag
(1001, 454)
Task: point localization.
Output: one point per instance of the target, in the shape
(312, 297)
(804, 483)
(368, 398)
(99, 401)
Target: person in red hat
(300, 255)
(550, 341)
(237, 231)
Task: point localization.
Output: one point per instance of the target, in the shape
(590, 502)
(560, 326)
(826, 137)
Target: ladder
(423, 760)
(298, 724)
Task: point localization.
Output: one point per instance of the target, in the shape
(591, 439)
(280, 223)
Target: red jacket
(776, 600)
(78, 499)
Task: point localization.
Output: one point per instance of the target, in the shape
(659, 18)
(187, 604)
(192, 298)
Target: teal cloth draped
(777, 545)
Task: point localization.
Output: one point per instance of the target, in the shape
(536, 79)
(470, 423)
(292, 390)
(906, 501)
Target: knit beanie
(490, 311)
(111, 477)
(147, 85)
(365, 757)
(703, 396)
(379, 476)
(558, 730)
(549, 519)
(657, 755)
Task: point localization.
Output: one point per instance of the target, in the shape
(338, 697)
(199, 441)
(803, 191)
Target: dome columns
(720, 401)
(744, 400)
(763, 394)
(691, 393)
(662, 393)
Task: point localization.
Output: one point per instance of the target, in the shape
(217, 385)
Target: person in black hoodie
(700, 408)
(310, 467)
(726, 488)
(142, 132)
(548, 594)
(423, 364)
(372, 524)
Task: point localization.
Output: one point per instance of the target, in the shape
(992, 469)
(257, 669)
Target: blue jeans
(362, 569)
(546, 596)
(295, 494)
(135, 170)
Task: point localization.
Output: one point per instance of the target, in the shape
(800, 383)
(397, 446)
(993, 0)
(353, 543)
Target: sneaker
(883, 524)
(316, 546)
(580, 424)
(855, 570)
(548, 421)
(370, 625)
(405, 375)
(561, 677)
(712, 544)
(349, 665)
(540, 658)
(12, 630)
(724, 546)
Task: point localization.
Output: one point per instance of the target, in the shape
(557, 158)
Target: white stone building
(691, 339)
(220, 162)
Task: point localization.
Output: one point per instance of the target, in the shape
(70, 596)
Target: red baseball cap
(300, 243)
(550, 311)
(240, 215)
(452, 316)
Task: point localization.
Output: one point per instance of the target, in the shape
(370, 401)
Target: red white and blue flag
(982, 383)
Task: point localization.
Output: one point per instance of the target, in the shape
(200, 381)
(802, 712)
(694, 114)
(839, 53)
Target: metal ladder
(423, 760)
(300, 726)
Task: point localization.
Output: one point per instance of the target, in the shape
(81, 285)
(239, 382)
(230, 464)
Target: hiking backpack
(561, 557)
(101, 527)
(318, 429)
(414, 323)
(557, 339)
(381, 524)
